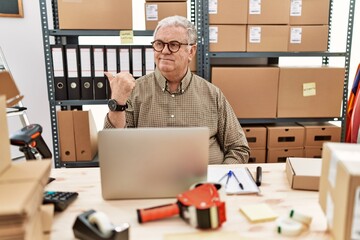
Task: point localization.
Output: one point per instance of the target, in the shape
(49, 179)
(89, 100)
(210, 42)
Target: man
(172, 96)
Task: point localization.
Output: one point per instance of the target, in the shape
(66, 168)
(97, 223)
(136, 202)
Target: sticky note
(127, 37)
(258, 212)
(309, 89)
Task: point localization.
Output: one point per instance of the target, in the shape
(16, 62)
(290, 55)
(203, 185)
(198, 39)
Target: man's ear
(192, 52)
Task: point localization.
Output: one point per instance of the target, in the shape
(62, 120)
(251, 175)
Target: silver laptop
(151, 162)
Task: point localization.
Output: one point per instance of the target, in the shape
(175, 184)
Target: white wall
(21, 42)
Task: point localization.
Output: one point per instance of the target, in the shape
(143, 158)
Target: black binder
(149, 60)
(111, 64)
(98, 72)
(86, 80)
(124, 58)
(136, 66)
(60, 86)
(72, 65)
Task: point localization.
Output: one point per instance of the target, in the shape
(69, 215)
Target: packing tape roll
(288, 226)
(300, 217)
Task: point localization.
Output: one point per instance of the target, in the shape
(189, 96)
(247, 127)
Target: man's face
(173, 63)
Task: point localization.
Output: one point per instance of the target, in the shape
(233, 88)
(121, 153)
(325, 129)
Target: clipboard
(231, 185)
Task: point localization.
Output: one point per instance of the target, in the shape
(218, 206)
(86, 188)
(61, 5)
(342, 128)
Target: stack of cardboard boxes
(282, 92)
(256, 137)
(155, 10)
(268, 25)
(21, 187)
(277, 142)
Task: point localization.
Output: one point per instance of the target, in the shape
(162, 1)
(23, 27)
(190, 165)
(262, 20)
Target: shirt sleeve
(231, 136)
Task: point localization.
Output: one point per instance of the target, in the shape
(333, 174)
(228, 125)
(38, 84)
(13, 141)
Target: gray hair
(179, 21)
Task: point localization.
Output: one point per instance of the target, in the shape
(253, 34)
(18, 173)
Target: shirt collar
(161, 80)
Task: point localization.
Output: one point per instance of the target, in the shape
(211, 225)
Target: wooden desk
(275, 191)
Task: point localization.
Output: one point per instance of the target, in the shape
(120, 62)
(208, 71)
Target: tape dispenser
(93, 225)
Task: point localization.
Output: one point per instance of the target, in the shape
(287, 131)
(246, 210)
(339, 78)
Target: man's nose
(166, 48)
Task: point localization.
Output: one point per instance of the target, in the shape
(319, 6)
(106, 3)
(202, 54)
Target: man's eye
(174, 44)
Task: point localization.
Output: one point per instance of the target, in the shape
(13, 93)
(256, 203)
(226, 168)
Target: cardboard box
(77, 136)
(95, 14)
(304, 173)
(304, 92)
(268, 12)
(23, 182)
(309, 12)
(267, 38)
(317, 133)
(332, 154)
(313, 152)
(242, 85)
(343, 201)
(257, 156)
(255, 135)
(285, 136)
(302, 38)
(155, 11)
(85, 133)
(227, 38)
(277, 155)
(66, 136)
(228, 11)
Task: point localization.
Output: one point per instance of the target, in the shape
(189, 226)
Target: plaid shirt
(197, 103)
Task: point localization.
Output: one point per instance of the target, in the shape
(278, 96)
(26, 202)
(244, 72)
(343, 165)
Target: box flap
(306, 166)
(21, 200)
(37, 171)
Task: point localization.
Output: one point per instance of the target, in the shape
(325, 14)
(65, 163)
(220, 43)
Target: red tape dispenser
(200, 207)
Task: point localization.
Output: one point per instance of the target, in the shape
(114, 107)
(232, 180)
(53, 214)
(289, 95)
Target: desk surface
(275, 191)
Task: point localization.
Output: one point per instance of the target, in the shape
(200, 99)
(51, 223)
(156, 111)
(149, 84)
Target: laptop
(152, 162)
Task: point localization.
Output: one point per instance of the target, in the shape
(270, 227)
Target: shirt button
(172, 95)
(172, 115)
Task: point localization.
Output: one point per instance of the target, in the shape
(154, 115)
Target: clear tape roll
(300, 217)
(288, 226)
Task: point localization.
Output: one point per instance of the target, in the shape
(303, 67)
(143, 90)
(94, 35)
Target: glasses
(173, 46)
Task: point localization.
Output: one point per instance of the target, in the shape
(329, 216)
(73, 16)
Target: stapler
(200, 207)
(93, 225)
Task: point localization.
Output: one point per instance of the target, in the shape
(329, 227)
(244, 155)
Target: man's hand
(121, 86)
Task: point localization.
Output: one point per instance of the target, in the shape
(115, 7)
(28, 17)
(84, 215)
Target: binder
(137, 61)
(86, 80)
(111, 64)
(60, 86)
(124, 59)
(73, 82)
(149, 60)
(66, 136)
(98, 72)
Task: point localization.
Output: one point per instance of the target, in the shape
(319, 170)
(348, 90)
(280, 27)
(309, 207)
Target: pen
(240, 184)
(258, 176)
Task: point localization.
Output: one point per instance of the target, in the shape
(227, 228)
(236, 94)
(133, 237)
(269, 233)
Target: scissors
(229, 175)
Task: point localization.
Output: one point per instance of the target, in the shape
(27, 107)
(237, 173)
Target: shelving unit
(199, 16)
(72, 37)
(273, 57)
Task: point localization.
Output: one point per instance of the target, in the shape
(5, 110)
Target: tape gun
(93, 225)
(200, 207)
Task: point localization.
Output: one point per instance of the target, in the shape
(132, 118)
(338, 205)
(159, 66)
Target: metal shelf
(60, 32)
(92, 163)
(284, 120)
(80, 102)
(274, 54)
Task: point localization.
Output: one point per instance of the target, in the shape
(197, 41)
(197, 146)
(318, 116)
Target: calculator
(61, 200)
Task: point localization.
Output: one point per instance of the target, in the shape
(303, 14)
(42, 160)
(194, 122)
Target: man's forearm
(115, 120)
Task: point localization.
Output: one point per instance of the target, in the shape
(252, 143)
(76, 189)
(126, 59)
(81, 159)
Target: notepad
(258, 213)
(232, 185)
